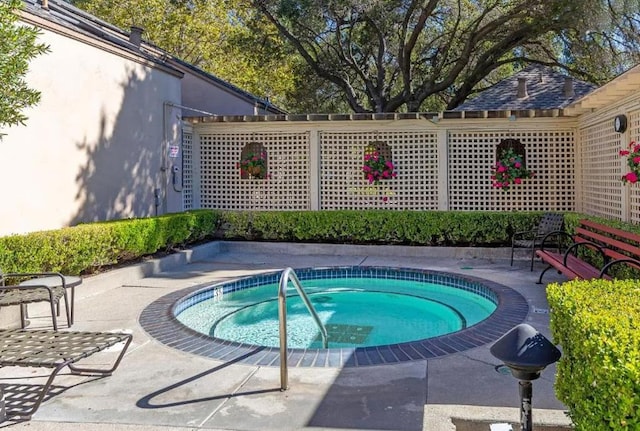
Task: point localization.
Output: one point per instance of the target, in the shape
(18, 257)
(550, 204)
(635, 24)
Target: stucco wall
(198, 93)
(92, 149)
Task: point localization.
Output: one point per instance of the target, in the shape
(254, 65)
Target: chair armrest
(35, 274)
(554, 234)
(605, 268)
(523, 234)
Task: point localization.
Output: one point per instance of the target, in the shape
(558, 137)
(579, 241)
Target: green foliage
(597, 323)
(89, 247)
(432, 228)
(396, 56)
(18, 45)
(224, 37)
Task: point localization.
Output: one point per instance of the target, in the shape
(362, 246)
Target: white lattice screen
(286, 188)
(601, 187)
(550, 154)
(187, 170)
(634, 192)
(342, 181)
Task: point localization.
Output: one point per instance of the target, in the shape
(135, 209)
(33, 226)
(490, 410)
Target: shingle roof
(545, 90)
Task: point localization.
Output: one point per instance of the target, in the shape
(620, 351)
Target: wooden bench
(55, 350)
(615, 246)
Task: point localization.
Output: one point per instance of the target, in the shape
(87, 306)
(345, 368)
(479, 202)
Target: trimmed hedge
(88, 247)
(424, 228)
(597, 323)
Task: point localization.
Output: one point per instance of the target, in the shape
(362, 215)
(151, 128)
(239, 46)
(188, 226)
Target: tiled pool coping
(158, 319)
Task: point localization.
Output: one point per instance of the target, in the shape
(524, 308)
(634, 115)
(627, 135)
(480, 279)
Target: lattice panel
(287, 185)
(187, 171)
(634, 190)
(342, 181)
(550, 154)
(601, 187)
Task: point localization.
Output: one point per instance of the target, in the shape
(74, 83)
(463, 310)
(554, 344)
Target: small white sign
(174, 150)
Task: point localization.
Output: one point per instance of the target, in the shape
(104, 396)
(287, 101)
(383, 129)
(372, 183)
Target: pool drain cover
(352, 334)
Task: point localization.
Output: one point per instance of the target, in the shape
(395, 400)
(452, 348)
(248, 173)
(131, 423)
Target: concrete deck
(158, 387)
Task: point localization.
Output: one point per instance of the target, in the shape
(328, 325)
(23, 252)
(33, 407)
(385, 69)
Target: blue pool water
(359, 306)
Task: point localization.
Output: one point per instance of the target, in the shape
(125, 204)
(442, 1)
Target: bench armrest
(589, 244)
(605, 268)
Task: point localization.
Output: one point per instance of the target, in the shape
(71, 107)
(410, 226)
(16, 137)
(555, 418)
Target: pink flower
(384, 199)
(517, 181)
(636, 160)
(631, 177)
(624, 153)
(501, 169)
(517, 165)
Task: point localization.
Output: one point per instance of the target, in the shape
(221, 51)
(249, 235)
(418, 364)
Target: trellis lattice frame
(601, 189)
(415, 157)
(222, 186)
(550, 155)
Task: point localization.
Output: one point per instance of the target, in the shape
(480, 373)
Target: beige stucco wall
(199, 93)
(94, 147)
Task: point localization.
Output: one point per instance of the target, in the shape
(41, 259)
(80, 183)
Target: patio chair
(39, 287)
(532, 239)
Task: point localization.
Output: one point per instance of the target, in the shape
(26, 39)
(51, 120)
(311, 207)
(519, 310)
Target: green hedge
(88, 247)
(597, 323)
(425, 228)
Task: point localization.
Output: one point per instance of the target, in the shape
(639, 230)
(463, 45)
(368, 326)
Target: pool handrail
(290, 274)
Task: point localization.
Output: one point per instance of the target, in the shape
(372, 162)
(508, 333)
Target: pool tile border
(159, 321)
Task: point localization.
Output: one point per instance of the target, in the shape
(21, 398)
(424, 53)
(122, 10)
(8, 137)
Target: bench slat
(617, 245)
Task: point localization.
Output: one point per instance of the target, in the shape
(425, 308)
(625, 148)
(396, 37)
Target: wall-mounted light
(512, 117)
(620, 123)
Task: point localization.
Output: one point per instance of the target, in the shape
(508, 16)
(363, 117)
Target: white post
(443, 170)
(314, 170)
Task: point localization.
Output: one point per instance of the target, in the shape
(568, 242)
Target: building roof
(69, 16)
(623, 85)
(545, 89)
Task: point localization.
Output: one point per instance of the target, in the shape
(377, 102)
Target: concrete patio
(158, 387)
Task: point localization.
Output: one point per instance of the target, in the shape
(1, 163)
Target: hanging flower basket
(633, 161)
(376, 168)
(254, 164)
(509, 170)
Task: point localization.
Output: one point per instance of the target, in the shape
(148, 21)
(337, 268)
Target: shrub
(597, 323)
(425, 228)
(89, 247)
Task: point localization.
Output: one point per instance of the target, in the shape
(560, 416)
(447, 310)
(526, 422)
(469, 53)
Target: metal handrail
(289, 274)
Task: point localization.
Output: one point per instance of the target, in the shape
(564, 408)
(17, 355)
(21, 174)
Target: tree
(224, 37)
(391, 55)
(608, 41)
(18, 45)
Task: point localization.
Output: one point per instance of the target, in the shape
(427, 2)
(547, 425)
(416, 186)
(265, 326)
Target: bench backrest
(619, 243)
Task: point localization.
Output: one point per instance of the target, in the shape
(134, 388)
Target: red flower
(633, 162)
(631, 177)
